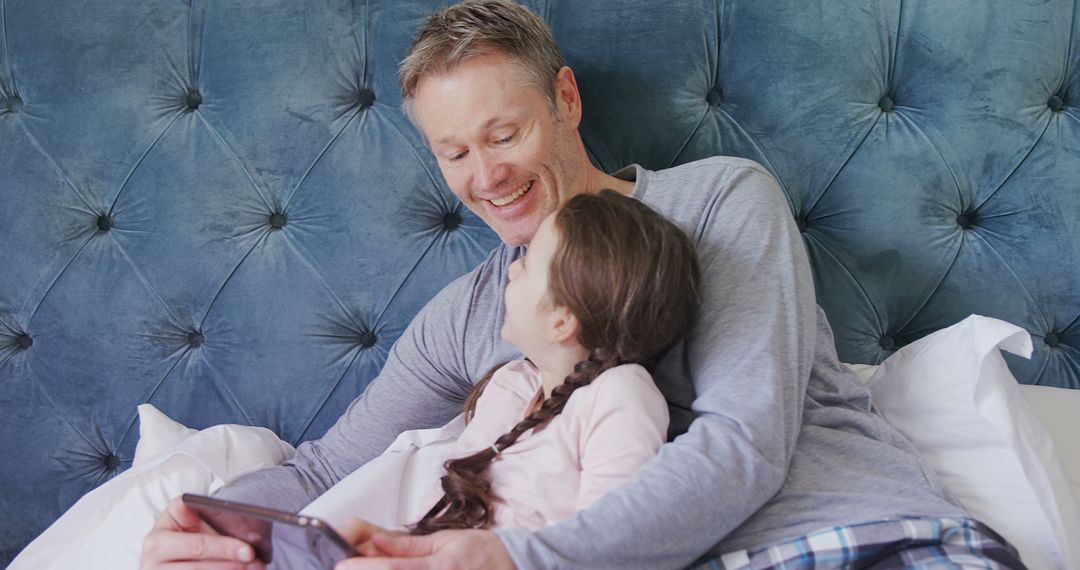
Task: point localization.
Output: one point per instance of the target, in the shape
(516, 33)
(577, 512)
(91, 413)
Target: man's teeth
(520, 192)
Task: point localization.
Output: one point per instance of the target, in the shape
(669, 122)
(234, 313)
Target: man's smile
(505, 200)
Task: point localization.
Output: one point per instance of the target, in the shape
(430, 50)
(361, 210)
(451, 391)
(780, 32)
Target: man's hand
(444, 550)
(181, 540)
(359, 533)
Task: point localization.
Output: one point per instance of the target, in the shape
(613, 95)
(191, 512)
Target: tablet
(280, 539)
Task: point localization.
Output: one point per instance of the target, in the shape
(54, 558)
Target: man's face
(498, 145)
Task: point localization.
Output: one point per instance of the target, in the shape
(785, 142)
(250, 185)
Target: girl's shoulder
(634, 373)
(517, 375)
(624, 385)
(514, 383)
(617, 399)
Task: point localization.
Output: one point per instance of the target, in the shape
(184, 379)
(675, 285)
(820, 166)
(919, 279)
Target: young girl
(607, 286)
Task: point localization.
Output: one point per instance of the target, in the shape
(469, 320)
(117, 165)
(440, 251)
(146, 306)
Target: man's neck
(596, 180)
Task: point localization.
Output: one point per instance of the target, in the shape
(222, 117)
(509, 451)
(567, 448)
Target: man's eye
(456, 157)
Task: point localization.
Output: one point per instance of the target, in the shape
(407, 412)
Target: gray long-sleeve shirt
(772, 437)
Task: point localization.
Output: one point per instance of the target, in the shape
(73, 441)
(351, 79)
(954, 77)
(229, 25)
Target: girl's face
(529, 310)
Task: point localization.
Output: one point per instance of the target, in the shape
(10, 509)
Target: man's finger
(386, 564)
(177, 516)
(216, 565)
(394, 546)
(368, 549)
(171, 545)
(357, 531)
(404, 545)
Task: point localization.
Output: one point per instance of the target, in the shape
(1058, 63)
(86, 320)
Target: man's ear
(567, 96)
(564, 325)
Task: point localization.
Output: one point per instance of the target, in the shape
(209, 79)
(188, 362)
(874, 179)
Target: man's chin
(511, 240)
(517, 234)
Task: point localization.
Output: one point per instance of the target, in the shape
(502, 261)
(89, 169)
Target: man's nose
(490, 171)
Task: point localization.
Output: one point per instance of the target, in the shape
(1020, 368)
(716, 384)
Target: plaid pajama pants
(924, 543)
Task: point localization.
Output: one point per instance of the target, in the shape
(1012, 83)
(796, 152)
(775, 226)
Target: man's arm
(749, 357)
(423, 384)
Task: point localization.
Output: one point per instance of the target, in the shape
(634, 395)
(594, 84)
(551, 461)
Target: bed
(219, 209)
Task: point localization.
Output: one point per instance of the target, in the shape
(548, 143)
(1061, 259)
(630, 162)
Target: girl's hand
(359, 532)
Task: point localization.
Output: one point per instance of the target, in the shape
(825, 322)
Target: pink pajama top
(607, 431)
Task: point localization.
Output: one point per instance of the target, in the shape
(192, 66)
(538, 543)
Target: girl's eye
(505, 140)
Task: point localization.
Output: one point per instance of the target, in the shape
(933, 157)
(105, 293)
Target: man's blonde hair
(454, 34)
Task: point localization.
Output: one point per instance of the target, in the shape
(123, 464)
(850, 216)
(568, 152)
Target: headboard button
(193, 100)
(715, 97)
(1056, 103)
(24, 341)
(366, 98)
(14, 104)
(112, 462)
(1051, 340)
(278, 220)
(887, 343)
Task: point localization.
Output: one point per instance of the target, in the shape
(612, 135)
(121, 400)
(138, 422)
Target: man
(774, 438)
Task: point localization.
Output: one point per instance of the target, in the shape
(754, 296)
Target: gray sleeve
(749, 356)
(422, 385)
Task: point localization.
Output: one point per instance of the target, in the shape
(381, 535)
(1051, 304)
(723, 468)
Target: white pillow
(157, 433)
(1059, 410)
(951, 394)
(105, 528)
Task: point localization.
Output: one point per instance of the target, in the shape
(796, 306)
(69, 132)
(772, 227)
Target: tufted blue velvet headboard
(218, 207)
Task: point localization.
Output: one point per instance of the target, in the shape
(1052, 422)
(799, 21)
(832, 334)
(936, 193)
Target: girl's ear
(563, 325)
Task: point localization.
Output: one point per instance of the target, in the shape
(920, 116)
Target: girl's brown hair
(631, 279)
